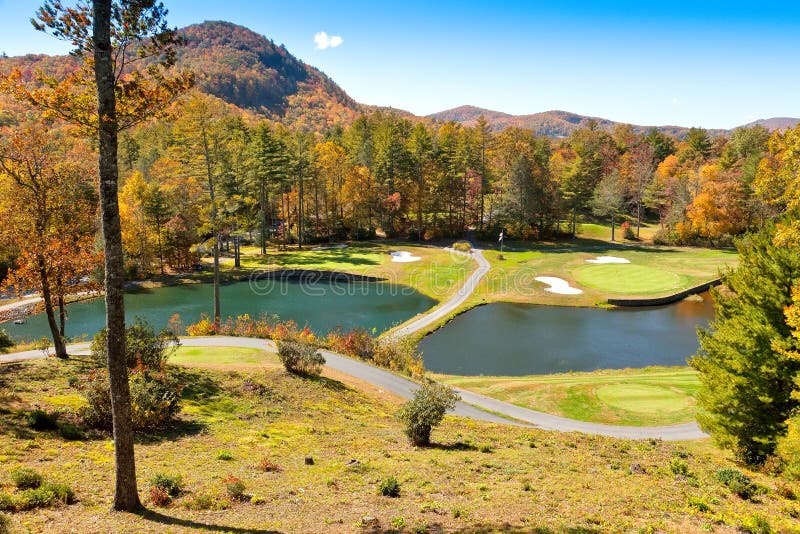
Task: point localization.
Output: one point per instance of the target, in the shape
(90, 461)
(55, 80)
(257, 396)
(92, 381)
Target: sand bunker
(557, 285)
(608, 259)
(404, 257)
(340, 245)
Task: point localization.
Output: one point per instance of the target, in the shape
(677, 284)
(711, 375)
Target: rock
(637, 469)
(309, 460)
(369, 521)
(352, 463)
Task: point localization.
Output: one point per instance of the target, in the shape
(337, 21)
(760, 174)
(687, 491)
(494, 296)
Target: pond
(517, 339)
(323, 306)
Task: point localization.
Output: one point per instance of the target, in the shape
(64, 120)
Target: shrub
(70, 432)
(426, 410)
(757, 524)
(737, 482)
(357, 342)
(41, 420)
(679, 467)
(172, 484)
(5, 524)
(389, 488)
(5, 341)
(143, 347)
(462, 246)
(268, 466)
(24, 478)
(159, 497)
(234, 487)
(6, 501)
(204, 327)
(300, 358)
(627, 231)
(225, 456)
(204, 501)
(398, 355)
(43, 496)
(155, 399)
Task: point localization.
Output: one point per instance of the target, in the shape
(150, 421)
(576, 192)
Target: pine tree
(746, 374)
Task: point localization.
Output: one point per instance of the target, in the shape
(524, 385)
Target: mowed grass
(476, 478)
(438, 273)
(628, 278)
(641, 397)
(223, 357)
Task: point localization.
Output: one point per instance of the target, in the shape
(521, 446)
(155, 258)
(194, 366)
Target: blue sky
(702, 63)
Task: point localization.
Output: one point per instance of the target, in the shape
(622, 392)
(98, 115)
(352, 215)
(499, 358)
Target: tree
(48, 210)
(426, 410)
(608, 198)
(105, 95)
(747, 373)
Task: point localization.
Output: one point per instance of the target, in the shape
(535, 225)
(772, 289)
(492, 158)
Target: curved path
(451, 305)
(472, 405)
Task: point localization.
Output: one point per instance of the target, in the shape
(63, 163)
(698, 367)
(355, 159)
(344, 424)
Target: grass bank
(476, 478)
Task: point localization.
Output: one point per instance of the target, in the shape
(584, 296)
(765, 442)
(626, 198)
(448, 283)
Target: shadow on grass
(158, 517)
(457, 446)
(327, 383)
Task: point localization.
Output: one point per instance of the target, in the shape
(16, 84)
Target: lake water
(517, 339)
(322, 305)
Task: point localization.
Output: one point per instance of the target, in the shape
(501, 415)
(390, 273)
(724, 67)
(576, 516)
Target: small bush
(24, 478)
(159, 497)
(70, 432)
(426, 410)
(6, 501)
(757, 524)
(698, 503)
(6, 343)
(737, 482)
(679, 467)
(41, 420)
(225, 456)
(155, 400)
(268, 466)
(143, 347)
(389, 488)
(5, 524)
(234, 487)
(44, 496)
(204, 501)
(172, 484)
(462, 246)
(300, 358)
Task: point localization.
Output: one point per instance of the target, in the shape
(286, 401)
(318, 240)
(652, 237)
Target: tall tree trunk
(262, 203)
(58, 340)
(126, 496)
(62, 315)
(612, 226)
(214, 222)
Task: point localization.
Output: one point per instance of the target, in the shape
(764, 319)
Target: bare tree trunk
(612, 226)
(126, 496)
(62, 315)
(58, 340)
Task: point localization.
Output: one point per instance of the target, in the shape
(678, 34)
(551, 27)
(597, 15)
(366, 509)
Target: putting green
(627, 279)
(221, 356)
(642, 398)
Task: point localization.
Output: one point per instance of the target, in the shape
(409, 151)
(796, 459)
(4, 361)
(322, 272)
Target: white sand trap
(331, 247)
(404, 257)
(557, 285)
(608, 259)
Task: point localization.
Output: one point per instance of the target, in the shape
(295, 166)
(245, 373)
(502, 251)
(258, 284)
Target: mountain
(549, 123)
(242, 68)
(775, 123)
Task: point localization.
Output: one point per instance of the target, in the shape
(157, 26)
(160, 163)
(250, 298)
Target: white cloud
(323, 40)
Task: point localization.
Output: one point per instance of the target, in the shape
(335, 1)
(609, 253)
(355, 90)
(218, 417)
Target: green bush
(234, 487)
(155, 400)
(204, 501)
(225, 456)
(24, 478)
(44, 496)
(737, 482)
(143, 347)
(679, 467)
(300, 358)
(70, 432)
(41, 420)
(172, 484)
(6, 343)
(389, 488)
(5, 524)
(462, 246)
(426, 410)
(757, 524)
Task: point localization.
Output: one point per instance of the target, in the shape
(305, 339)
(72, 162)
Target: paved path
(472, 405)
(455, 301)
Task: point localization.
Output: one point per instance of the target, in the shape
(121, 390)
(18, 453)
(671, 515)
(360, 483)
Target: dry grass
(528, 478)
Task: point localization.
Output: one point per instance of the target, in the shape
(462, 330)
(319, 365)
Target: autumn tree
(48, 208)
(608, 198)
(126, 49)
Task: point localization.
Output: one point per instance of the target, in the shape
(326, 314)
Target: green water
(517, 339)
(323, 306)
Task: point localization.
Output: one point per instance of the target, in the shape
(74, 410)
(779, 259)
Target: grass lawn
(437, 274)
(628, 278)
(239, 357)
(641, 397)
(477, 478)
(603, 231)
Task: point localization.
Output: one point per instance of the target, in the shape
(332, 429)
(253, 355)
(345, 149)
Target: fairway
(223, 357)
(637, 397)
(627, 278)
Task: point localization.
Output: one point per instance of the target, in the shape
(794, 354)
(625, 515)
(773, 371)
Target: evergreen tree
(746, 374)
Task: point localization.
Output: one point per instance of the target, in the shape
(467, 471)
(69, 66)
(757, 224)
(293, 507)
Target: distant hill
(549, 123)
(775, 123)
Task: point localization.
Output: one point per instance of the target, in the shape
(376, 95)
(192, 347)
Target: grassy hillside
(477, 478)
